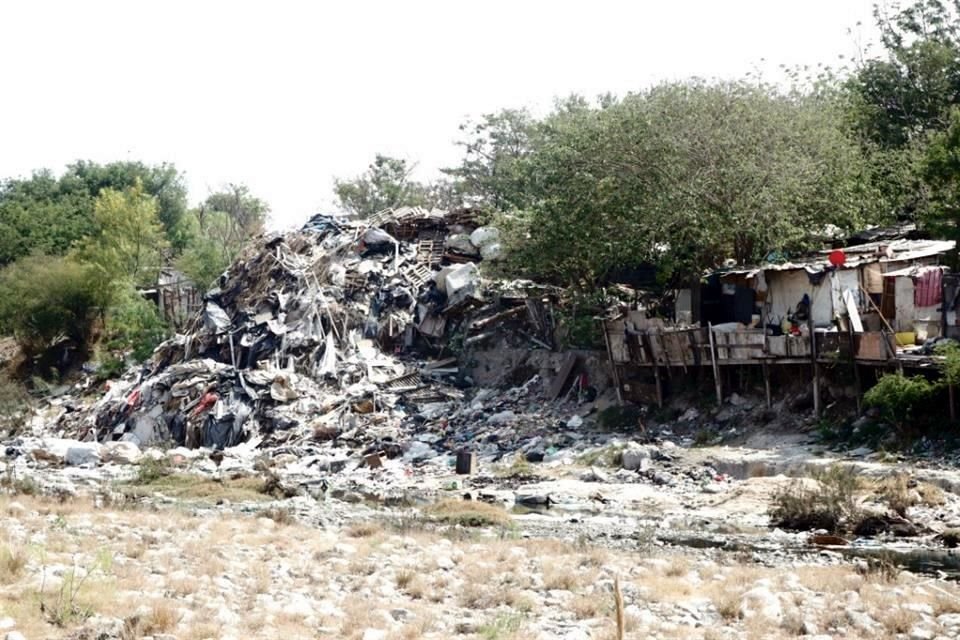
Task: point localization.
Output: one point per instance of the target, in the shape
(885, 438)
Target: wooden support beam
(766, 384)
(716, 369)
(816, 366)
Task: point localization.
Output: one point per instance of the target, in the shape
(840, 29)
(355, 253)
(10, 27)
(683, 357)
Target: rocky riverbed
(80, 569)
(114, 542)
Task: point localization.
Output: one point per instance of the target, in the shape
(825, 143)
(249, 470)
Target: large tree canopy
(684, 175)
(49, 215)
(387, 184)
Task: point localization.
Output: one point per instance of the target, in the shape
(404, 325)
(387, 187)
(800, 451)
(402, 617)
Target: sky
(283, 96)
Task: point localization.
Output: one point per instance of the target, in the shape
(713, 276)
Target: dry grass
(192, 487)
(363, 529)
(12, 563)
(585, 607)
(469, 513)
(163, 618)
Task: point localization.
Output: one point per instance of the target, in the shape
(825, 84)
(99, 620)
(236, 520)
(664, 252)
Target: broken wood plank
(556, 387)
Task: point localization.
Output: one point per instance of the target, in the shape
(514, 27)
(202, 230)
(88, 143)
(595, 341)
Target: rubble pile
(320, 335)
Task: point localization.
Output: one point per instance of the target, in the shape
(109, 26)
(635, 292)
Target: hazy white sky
(283, 96)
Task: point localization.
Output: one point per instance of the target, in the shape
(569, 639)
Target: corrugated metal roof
(858, 255)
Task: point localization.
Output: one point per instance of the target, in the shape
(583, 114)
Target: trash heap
(322, 334)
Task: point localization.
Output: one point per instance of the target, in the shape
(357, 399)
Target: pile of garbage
(343, 330)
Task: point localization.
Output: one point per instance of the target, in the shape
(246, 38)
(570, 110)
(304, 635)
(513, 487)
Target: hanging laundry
(928, 287)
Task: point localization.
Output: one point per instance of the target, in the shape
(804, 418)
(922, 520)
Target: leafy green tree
(941, 171)
(910, 92)
(386, 184)
(222, 226)
(684, 175)
(128, 242)
(493, 171)
(50, 214)
(44, 299)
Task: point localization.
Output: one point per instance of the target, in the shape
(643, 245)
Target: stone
(82, 453)
(574, 422)
(7, 623)
(632, 457)
(760, 602)
(122, 452)
(14, 635)
(400, 614)
(921, 633)
(374, 634)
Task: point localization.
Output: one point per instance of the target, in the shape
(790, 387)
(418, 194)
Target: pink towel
(928, 287)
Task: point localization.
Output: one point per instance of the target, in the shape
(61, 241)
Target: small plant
(153, 469)
(898, 397)
(26, 486)
(895, 492)
(500, 626)
(66, 608)
(519, 468)
(281, 516)
(12, 563)
(609, 456)
(363, 529)
(827, 506)
(469, 513)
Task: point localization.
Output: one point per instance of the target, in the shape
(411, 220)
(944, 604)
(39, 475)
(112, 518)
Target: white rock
(919, 633)
(760, 601)
(374, 634)
(575, 421)
(633, 456)
(123, 452)
(83, 453)
(14, 635)
(7, 623)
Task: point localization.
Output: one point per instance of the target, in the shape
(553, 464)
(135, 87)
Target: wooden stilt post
(716, 368)
(816, 367)
(766, 383)
(856, 370)
(656, 377)
(613, 364)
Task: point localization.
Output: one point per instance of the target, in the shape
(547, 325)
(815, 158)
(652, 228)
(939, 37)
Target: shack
(870, 304)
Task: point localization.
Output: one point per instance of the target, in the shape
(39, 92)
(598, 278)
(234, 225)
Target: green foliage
(830, 504)
(152, 470)
(45, 299)
(386, 184)
(128, 241)
(902, 97)
(899, 396)
(683, 175)
(218, 231)
(14, 406)
(950, 367)
(49, 214)
(134, 326)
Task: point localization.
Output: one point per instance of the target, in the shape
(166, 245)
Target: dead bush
(829, 505)
(12, 563)
(469, 513)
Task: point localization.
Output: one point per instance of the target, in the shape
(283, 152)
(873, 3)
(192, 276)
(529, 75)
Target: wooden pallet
(419, 275)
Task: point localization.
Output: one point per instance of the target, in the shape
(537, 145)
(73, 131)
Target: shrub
(14, 405)
(134, 326)
(829, 505)
(45, 299)
(898, 396)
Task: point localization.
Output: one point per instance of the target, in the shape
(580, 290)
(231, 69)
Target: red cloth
(928, 288)
(207, 401)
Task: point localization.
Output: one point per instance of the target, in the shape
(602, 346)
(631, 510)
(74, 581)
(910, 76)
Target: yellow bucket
(906, 338)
